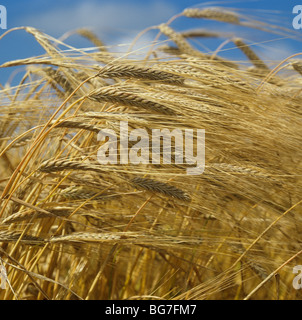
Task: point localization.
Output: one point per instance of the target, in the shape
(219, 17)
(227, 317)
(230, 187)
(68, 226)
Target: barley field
(72, 228)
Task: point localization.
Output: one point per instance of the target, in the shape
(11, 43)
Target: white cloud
(106, 18)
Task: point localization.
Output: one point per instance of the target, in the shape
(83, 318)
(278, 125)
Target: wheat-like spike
(179, 40)
(87, 182)
(184, 69)
(258, 63)
(161, 187)
(114, 95)
(59, 78)
(92, 37)
(213, 14)
(184, 48)
(28, 214)
(201, 33)
(139, 72)
(13, 236)
(18, 216)
(44, 42)
(63, 164)
(252, 171)
(87, 237)
(177, 52)
(129, 237)
(256, 267)
(297, 65)
(75, 193)
(171, 50)
(33, 61)
(77, 125)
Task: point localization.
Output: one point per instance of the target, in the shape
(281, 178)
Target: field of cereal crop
(72, 227)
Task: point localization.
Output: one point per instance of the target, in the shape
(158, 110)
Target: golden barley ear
(22, 142)
(161, 187)
(29, 214)
(201, 33)
(118, 95)
(58, 78)
(88, 34)
(77, 125)
(139, 72)
(87, 237)
(297, 65)
(64, 164)
(213, 14)
(254, 58)
(14, 236)
(179, 40)
(76, 193)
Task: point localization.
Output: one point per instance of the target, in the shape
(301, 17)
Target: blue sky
(115, 21)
